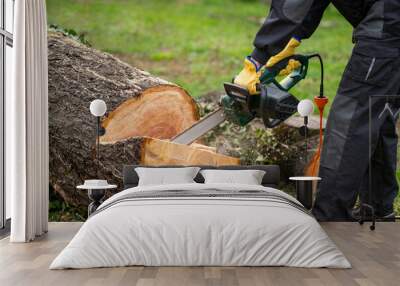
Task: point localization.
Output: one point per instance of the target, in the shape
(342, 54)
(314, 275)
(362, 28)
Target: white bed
(250, 225)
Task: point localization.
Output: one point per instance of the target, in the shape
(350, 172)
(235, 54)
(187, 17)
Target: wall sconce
(305, 108)
(98, 108)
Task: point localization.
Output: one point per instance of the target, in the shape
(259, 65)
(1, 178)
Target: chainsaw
(272, 103)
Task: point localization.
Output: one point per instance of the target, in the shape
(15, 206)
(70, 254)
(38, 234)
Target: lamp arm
(306, 135)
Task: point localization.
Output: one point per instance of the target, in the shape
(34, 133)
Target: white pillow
(248, 177)
(166, 176)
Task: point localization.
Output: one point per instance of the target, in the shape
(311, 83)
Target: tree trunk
(313, 123)
(142, 109)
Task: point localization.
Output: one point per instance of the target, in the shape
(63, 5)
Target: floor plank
(375, 257)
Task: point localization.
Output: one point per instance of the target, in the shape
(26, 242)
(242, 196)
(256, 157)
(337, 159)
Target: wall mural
(143, 113)
(155, 82)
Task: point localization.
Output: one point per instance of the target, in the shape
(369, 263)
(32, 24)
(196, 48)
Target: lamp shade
(305, 107)
(98, 107)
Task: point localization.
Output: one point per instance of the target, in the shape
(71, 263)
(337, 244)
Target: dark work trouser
(372, 70)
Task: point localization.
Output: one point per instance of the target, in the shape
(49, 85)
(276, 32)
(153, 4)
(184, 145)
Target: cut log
(313, 122)
(204, 147)
(156, 152)
(159, 112)
(139, 106)
(160, 152)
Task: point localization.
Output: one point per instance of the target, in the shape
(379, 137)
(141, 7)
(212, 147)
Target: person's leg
(383, 174)
(344, 159)
(385, 192)
(365, 194)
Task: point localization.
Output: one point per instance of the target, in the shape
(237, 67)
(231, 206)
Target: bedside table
(96, 190)
(304, 190)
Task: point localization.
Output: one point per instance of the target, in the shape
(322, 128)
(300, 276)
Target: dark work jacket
(377, 21)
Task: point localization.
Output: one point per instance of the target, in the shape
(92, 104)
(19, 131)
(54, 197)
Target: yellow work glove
(288, 51)
(249, 77)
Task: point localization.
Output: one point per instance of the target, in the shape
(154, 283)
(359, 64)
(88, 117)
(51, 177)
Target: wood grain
(155, 152)
(161, 112)
(375, 257)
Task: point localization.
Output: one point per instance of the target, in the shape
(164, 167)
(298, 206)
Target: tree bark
(142, 109)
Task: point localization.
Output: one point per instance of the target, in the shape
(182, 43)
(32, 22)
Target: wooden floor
(375, 257)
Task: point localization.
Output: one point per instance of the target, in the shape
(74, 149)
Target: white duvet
(200, 231)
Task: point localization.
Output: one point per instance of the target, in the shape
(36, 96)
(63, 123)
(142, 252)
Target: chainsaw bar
(200, 128)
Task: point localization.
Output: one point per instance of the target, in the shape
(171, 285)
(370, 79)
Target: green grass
(198, 44)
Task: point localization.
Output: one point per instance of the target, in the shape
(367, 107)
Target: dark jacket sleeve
(287, 19)
(312, 20)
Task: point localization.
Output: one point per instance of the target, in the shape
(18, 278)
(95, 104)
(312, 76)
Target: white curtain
(27, 123)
